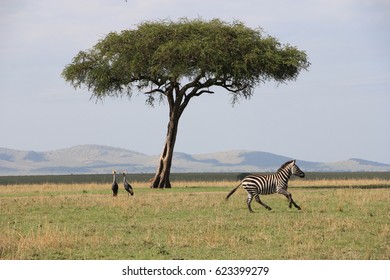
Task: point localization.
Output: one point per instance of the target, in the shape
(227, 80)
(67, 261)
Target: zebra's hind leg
(257, 197)
(248, 202)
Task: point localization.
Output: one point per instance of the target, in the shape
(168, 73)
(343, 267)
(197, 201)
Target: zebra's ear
(294, 161)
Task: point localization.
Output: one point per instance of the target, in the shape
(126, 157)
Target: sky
(338, 109)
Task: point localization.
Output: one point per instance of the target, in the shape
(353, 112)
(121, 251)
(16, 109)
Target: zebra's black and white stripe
(269, 184)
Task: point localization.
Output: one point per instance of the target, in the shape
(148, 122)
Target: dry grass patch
(191, 221)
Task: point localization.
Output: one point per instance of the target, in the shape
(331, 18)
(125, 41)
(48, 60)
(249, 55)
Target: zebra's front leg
(293, 202)
(290, 199)
(248, 202)
(257, 197)
(295, 205)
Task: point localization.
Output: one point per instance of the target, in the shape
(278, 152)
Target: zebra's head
(295, 170)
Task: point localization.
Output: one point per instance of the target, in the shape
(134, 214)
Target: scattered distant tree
(177, 61)
(242, 176)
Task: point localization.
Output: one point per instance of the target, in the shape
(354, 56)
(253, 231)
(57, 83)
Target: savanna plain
(340, 219)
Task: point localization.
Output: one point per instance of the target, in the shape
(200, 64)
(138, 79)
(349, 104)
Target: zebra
(127, 186)
(256, 185)
(114, 186)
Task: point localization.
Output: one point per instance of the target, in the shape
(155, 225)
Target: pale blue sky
(337, 110)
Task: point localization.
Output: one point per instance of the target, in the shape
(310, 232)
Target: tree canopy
(202, 53)
(176, 61)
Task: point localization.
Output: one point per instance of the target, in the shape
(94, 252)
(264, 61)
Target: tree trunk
(161, 179)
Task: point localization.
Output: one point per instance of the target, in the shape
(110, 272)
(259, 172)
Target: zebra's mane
(284, 165)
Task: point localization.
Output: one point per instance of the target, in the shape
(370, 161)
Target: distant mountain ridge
(98, 159)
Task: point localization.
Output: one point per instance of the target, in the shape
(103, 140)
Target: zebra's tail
(232, 191)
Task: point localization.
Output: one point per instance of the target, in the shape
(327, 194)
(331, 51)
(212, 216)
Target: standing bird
(114, 185)
(127, 186)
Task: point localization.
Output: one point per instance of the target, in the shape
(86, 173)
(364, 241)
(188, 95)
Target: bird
(127, 186)
(114, 185)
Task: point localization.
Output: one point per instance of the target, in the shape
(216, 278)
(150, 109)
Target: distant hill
(97, 159)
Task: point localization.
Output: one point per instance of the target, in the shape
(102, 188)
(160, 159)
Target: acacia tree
(177, 61)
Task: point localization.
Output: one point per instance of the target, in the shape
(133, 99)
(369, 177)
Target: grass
(193, 221)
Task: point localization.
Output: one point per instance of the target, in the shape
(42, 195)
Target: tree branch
(169, 95)
(199, 93)
(192, 84)
(154, 91)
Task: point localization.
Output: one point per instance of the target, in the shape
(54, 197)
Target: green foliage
(158, 56)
